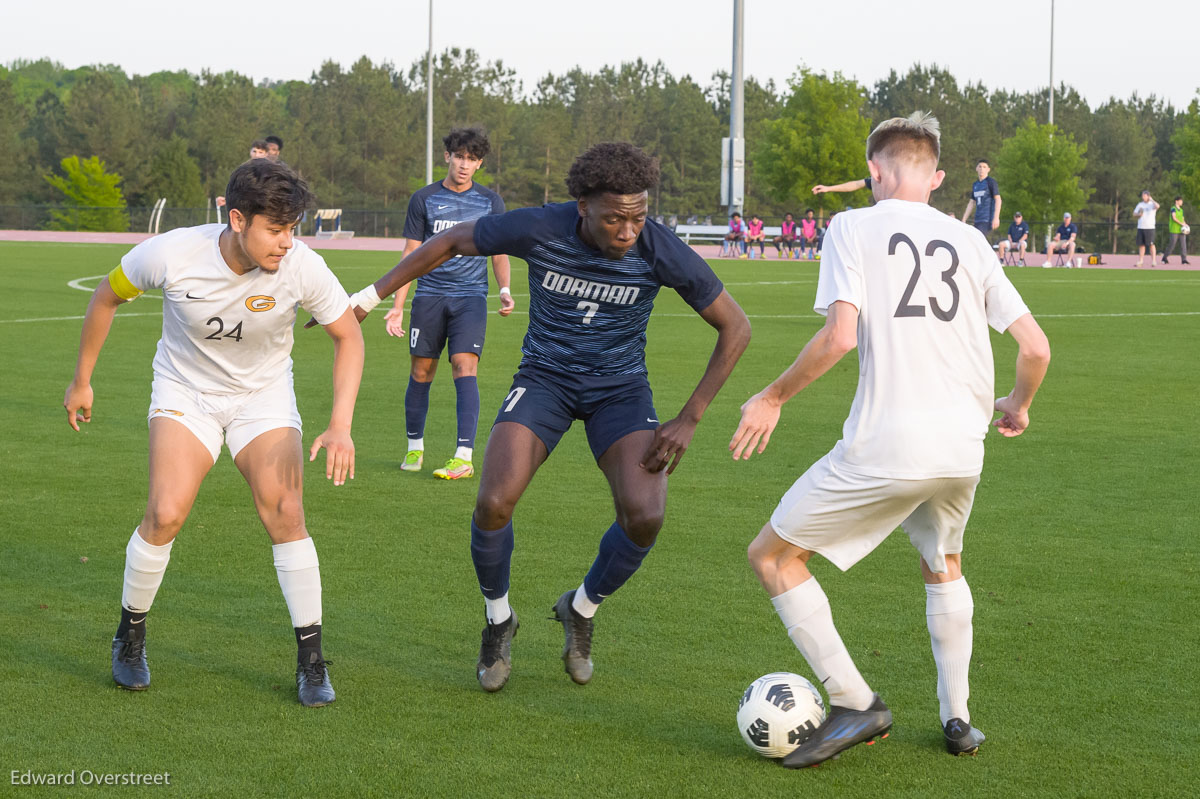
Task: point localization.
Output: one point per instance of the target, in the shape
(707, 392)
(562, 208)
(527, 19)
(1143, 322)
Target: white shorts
(843, 516)
(235, 419)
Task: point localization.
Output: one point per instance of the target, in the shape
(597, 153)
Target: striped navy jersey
(434, 209)
(587, 313)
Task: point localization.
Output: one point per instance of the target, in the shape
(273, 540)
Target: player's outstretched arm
(501, 269)
(850, 185)
(348, 356)
(1033, 358)
(458, 240)
(761, 412)
(672, 439)
(393, 320)
(96, 324)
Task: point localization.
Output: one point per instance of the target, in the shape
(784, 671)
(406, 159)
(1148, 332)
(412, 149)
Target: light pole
(1051, 120)
(429, 103)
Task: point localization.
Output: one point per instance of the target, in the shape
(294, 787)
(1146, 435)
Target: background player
(787, 236)
(985, 200)
(223, 372)
(755, 235)
(451, 302)
(915, 292)
(595, 267)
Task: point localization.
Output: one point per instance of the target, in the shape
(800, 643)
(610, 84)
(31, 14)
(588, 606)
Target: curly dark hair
(473, 141)
(271, 188)
(617, 167)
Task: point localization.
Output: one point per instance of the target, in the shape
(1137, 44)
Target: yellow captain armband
(121, 285)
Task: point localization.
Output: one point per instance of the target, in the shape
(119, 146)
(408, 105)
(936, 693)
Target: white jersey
(225, 333)
(926, 288)
(1145, 220)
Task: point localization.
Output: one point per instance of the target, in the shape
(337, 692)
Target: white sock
(299, 575)
(417, 444)
(144, 568)
(584, 606)
(497, 610)
(464, 453)
(948, 611)
(805, 613)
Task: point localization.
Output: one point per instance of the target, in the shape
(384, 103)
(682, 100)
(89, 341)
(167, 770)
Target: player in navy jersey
(983, 208)
(450, 304)
(595, 267)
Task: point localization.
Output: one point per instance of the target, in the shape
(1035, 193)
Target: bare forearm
(732, 341)
(348, 358)
(502, 270)
(427, 257)
(818, 357)
(96, 324)
(1031, 370)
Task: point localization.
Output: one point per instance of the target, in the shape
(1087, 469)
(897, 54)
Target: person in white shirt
(915, 292)
(223, 374)
(1144, 211)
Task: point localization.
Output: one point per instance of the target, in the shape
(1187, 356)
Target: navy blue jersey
(587, 313)
(434, 209)
(1066, 231)
(1015, 231)
(985, 192)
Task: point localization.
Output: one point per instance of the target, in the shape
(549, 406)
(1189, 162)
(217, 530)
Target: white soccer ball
(1187, 230)
(778, 712)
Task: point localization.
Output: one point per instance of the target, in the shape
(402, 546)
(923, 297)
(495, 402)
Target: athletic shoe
(495, 654)
(312, 679)
(1164, 260)
(129, 667)
(962, 738)
(577, 639)
(413, 460)
(455, 469)
(842, 729)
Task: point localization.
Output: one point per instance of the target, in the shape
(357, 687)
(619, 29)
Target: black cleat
(129, 667)
(577, 644)
(312, 679)
(962, 738)
(495, 654)
(842, 729)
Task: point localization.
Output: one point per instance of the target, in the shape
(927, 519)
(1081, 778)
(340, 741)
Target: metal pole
(736, 109)
(429, 103)
(1051, 62)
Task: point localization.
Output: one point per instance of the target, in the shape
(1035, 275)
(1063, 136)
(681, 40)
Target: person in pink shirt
(755, 235)
(736, 237)
(808, 234)
(786, 237)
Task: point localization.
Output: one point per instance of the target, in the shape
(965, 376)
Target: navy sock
(491, 552)
(467, 389)
(615, 563)
(416, 407)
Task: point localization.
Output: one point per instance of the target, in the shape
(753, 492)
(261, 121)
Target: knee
(464, 367)
(493, 509)
(762, 560)
(642, 524)
(162, 522)
(423, 372)
(284, 518)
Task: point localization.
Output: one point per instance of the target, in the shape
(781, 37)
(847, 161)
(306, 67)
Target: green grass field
(1081, 554)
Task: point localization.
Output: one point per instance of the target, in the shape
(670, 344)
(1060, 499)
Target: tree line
(358, 135)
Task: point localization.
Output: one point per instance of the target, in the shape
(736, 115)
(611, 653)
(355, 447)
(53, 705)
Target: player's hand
(507, 303)
(759, 417)
(78, 402)
(671, 440)
(221, 202)
(339, 454)
(394, 322)
(995, 223)
(1013, 420)
(820, 189)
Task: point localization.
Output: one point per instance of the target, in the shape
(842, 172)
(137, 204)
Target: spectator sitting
(1018, 237)
(808, 234)
(786, 237)
(755, 235)
(736, 235)
(1064, 240)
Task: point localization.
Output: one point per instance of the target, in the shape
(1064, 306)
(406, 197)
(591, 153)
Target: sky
(1102, 48)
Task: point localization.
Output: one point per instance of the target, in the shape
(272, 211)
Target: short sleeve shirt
(1146, 220)
(984, 192)
(926, 288)
(1015, 231)
(434, 209)
(225, 333)
(1065, 232)
(588, 313)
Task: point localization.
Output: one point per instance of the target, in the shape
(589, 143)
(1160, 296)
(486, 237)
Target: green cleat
(455, 469)
(413, 460)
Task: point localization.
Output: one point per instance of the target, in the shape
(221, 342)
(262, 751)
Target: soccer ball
(778, 712)
(1186, 229)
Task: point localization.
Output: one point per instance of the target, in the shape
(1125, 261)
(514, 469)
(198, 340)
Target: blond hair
(917, 136)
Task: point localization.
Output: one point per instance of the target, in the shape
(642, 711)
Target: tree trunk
(546, 183)
(1116, 219)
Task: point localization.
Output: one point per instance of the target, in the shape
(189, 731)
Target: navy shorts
(547, 402)
(434, 319)
(983, 227)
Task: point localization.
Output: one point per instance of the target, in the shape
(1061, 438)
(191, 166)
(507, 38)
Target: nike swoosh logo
(443, 207)
(648, 419)
(476, 346)
(306, 637)
(137, 621)
(190, 297)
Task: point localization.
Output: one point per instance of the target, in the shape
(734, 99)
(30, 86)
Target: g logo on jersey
(260, 302)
